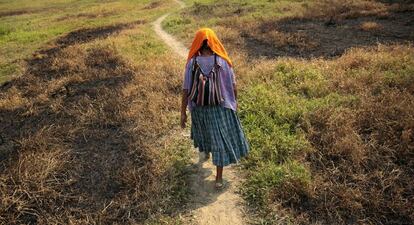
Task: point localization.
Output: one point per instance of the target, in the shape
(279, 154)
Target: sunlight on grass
(39, 22)
(307, 107)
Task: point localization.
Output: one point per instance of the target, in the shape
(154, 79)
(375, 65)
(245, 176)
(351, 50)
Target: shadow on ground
(67, 150)
(327, 37)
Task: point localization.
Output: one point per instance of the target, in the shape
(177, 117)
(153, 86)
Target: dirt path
(178, 47)
(207, 205)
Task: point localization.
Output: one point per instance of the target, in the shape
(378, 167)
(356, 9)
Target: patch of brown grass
(324, 29)
(351, 9)
(79, 133)
(362, 162)
(21, 12)
(362, 159)
(87, 15)
(370, 26)
(13, 13)
(220, 9)
(153, 5)
(348, 9)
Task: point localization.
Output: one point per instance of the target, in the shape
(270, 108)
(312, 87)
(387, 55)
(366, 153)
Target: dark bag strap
(193, 79)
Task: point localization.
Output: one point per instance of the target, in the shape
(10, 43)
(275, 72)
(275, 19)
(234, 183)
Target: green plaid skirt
(217, 129)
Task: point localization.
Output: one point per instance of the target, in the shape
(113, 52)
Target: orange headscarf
(212, 41)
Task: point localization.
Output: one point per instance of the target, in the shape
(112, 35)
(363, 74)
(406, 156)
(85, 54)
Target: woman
(209, 91)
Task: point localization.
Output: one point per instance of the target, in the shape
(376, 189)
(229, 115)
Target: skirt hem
(218, 130)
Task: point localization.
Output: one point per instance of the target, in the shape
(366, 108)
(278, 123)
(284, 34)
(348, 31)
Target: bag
(205, 88)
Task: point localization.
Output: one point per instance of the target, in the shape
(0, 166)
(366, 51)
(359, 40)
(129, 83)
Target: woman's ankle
(219, 174)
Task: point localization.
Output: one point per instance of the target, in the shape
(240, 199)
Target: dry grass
(371, 26)
(30, 25)
(353, 9)
(14, 13)
(153, 5)
(318, 28)
(80, 136)
(328, 111)
(362, 159)
(347, 9)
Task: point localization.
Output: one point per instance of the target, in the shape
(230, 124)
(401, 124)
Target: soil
(211, 206)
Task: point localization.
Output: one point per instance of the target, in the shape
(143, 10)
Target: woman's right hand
(183, 119)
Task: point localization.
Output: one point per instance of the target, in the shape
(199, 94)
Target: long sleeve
(233, 76)
(187, 76)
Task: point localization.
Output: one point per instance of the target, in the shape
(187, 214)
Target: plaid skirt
(217, 129)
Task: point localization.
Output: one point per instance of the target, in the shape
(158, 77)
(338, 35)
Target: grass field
(26, 26)
(327, 104)
(89, 109)
(88, 114)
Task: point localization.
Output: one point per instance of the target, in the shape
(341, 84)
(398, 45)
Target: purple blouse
(227, 79)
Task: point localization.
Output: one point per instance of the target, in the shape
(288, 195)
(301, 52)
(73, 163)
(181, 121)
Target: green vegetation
(326, 100)
(26, 26)
(215, 13)
(91, 123)
(327, 124)
(281, 109)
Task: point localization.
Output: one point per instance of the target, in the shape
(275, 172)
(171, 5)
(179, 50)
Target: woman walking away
(209, 91)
